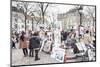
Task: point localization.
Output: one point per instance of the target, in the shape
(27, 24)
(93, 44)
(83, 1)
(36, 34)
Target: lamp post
(80, 22)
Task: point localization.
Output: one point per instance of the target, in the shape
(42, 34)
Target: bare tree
(91, 13)
(36, 13)
(35, 18)
(43, 8)
(52, 20)
(26, 9)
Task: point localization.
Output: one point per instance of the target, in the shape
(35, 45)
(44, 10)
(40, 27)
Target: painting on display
(52, 33)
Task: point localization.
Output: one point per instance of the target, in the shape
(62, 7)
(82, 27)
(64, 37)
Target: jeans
(31, 53)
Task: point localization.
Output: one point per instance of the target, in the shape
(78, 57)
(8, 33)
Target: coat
(23, 44)
(87, 39)
(63, 35)
(34, 42)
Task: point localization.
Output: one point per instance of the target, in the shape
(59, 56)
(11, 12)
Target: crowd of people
(32, 41)
(85, 35)
(43, 40)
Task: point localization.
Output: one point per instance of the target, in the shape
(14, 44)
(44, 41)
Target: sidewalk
(19, 59)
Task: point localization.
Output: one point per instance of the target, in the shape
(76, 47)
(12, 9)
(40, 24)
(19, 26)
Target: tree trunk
(32, 24)
(25, 22)
(43, 18)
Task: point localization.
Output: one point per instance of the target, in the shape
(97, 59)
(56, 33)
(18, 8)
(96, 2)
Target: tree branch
(46, 7)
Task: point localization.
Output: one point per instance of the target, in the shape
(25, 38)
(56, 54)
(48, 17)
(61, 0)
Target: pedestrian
(23, 44)
(34, 45)
(81, 31)
(13, 40)
(17, 36)
(87, 38)
(63, 35)
(31, 51)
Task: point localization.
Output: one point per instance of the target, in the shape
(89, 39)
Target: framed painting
(52, 33)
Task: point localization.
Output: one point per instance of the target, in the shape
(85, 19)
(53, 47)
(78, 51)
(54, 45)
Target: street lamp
(80, 13)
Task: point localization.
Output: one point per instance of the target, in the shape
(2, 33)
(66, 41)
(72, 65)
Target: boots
(36, 55)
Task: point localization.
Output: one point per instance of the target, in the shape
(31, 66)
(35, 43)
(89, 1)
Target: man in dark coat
(34, 44)
(63, 35)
